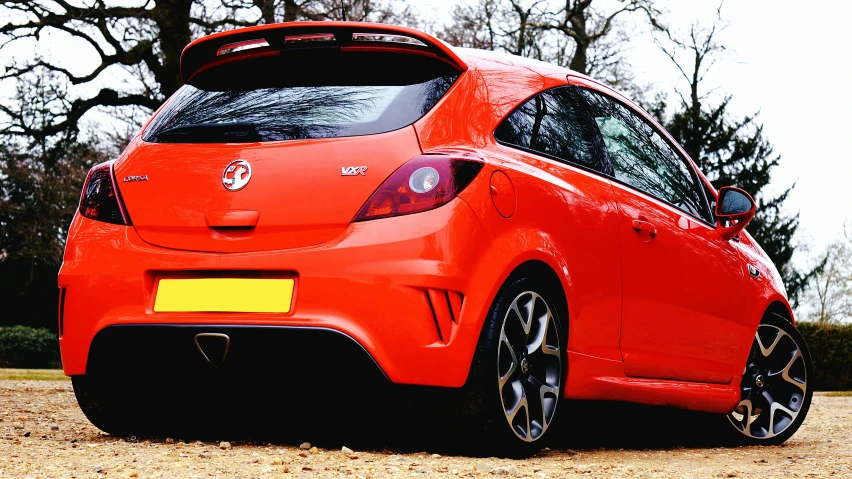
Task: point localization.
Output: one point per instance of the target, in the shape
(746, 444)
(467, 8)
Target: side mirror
(734, 208)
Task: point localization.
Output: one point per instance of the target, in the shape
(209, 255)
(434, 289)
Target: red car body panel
(180, 220)
(665, 320)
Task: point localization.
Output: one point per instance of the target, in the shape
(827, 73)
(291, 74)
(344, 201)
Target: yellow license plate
(233, 295)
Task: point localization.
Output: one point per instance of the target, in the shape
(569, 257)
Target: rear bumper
(173, 353)
(386, 284)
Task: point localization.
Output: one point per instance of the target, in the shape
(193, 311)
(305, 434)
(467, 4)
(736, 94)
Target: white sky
(794, 79)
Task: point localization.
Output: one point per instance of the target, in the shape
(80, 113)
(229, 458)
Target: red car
(436, 216)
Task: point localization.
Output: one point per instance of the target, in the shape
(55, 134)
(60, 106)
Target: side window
(550, 123)
(643, 159)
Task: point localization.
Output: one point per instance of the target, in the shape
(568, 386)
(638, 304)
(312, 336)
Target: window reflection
(549, 123)
(302, 112)
(734, 203)
(641, 158)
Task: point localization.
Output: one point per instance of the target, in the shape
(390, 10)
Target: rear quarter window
(551, 124)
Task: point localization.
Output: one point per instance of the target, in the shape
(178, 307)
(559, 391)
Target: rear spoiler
(272, 39)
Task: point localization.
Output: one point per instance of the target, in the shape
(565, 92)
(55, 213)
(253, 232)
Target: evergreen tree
(733, 152)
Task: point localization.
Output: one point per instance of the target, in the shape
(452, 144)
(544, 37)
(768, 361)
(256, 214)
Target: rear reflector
(61, 312)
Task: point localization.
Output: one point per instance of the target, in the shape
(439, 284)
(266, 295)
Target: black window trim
(598, 148)
(695, 177)
(560, 161)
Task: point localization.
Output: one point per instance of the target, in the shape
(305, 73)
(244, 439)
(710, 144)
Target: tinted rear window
(198, 115)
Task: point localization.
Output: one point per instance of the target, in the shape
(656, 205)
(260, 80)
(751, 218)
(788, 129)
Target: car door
(567, 195)
(684, 286)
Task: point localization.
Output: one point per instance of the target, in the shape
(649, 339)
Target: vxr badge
(236, 175)
(353, 170)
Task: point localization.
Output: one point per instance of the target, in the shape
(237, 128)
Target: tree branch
(78, 108)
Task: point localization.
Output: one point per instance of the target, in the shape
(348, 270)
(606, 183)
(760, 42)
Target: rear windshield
(197, 115)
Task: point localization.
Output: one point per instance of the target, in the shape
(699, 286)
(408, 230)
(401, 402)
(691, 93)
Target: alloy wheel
(529, 366)
(774, 385)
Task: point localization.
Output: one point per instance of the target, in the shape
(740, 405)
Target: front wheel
(517, 375)
(777, 385)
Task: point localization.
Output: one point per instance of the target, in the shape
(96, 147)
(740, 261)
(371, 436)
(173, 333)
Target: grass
(836, 393)
(32, 375)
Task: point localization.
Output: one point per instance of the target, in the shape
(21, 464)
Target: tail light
(100, 200)
(424, 183)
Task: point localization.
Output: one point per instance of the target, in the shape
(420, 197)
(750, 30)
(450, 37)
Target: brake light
(100, 200)
(241, 46)
(424, 183)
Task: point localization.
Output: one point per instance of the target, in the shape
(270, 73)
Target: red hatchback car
(440, 216)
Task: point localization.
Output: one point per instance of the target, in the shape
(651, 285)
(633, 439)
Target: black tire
(102, 405)
(764, 386)
(484, 414)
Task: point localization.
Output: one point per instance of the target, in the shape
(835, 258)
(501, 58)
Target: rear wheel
(777, 385)
(517, 375)
(101, 407)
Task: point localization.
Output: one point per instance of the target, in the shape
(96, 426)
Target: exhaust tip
(213, 347)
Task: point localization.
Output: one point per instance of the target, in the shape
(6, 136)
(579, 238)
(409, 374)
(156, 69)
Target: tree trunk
(694, 146)
(579, 60)
(581, 39)
(267, 10)
(172, 19)
(522, 37)
(291, 10)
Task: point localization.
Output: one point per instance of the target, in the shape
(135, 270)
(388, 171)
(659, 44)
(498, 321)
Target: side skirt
(591, 377)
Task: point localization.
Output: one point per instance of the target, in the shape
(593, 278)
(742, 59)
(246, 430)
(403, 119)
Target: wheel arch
(542, 261)
(509, 256)
(781, 309)
(768, 302)
(543, 272)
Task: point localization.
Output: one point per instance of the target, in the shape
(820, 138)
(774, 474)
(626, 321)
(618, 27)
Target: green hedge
(24, 347)
(831, 349)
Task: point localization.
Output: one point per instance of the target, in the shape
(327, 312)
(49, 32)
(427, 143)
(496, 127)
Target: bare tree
(506, 25)
(693, 56)
(589, 27)
(473, 25)
(570, 33)
(272, 11)
(144, 39)
(40, 183)
(829, 298)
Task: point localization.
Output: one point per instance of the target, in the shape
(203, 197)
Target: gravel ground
(44, 434)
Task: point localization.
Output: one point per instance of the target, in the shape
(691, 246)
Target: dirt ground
(44, 434)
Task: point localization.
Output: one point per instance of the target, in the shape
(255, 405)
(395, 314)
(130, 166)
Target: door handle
(642, 225)
(232, 219)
